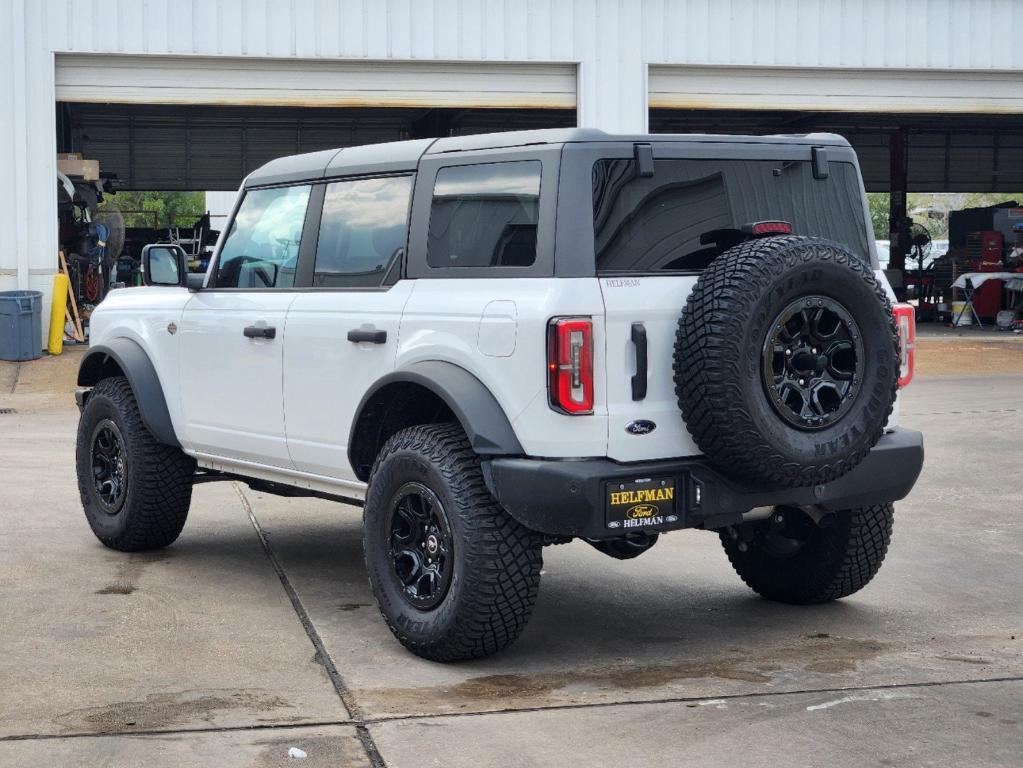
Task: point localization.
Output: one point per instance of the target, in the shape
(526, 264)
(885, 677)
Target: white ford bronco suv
(499, 342)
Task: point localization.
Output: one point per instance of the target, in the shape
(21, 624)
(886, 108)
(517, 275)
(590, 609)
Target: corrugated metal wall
(612, 40)
(939, 34)
(943, 34)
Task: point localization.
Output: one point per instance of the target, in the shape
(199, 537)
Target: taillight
(570, 364)
(761, 228)
(905, 321)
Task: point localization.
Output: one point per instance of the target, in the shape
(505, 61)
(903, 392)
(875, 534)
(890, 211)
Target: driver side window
(261, 249)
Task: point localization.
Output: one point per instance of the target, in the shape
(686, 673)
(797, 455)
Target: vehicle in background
(883, 252)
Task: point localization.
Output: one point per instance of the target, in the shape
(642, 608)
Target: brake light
(760, 228)
(905, 321)
(570, 365)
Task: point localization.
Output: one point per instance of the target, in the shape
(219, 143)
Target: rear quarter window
(485, 215)
(690, 211)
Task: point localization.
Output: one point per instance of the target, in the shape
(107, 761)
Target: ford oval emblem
(640, 427)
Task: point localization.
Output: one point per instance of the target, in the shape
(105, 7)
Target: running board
(279, 481)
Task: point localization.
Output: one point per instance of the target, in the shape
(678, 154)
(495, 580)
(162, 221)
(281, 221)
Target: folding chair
(969, 290)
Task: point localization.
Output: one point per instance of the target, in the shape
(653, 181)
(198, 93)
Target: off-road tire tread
(846, 556)
(504, 559)
(708, 356)
(161, 481)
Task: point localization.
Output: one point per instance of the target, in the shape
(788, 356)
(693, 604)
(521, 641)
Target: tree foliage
(160, 209)
(940, 205)
(877, 202)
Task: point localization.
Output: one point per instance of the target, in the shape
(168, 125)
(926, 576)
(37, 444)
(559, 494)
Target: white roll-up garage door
(845, 90)
(312, 82)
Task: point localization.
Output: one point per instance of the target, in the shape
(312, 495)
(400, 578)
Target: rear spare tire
(786, 361)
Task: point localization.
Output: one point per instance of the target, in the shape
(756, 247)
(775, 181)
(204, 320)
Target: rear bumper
(567, 497)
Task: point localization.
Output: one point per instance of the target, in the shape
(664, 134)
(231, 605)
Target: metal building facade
(625, 55)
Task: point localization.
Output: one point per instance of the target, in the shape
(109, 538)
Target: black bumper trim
(566, 497)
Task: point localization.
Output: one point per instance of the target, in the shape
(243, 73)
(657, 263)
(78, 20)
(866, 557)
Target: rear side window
(363, 229)
(690, 211)
(485, 215)
(261, 249)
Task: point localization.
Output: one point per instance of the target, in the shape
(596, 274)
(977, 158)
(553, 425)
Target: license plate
(641, 504)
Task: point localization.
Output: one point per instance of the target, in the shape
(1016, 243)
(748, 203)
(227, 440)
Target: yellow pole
(57, 312)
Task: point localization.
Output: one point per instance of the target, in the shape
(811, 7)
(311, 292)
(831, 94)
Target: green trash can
(21, 325)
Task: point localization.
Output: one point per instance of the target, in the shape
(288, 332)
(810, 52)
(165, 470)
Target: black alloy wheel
(421, 546)
(813, 362)
(109, 461)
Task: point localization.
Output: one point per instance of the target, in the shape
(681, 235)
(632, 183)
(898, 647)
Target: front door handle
(371, 335)
(260, 332)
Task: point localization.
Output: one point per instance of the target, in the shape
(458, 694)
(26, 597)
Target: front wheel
(791, 559)
(135, 490)
(454, 576)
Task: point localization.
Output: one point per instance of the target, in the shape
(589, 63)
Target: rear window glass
(690, 211)
(485, 215)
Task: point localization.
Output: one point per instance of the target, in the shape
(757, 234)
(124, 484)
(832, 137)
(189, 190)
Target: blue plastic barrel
(21, 325)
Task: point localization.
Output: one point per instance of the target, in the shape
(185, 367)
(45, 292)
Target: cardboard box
(74, 166)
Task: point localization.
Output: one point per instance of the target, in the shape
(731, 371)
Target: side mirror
(164, 264)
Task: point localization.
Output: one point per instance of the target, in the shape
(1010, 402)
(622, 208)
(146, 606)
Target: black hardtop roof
(405, 155)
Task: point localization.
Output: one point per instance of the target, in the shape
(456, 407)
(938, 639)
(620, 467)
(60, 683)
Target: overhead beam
(228, 81)
(830, 89)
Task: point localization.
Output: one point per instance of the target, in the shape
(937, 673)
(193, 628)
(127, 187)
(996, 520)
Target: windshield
(690, 211)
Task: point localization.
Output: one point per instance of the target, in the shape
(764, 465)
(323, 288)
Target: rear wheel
(791, 559)
(454, 576)
(135, 490)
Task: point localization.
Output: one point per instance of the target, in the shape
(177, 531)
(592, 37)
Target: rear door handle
(371, 335)
(639, 380)
(260, 332)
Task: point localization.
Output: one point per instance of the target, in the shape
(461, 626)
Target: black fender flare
(132, 359)
(485, 423)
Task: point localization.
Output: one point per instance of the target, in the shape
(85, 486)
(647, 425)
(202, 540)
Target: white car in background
(884, 252)
(938, 249)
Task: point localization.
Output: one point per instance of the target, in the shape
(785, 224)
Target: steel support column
(898, 180)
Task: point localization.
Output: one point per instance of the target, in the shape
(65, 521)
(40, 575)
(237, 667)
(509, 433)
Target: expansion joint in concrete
(343, 691)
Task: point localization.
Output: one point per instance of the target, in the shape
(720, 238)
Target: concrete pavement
(256, 631)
